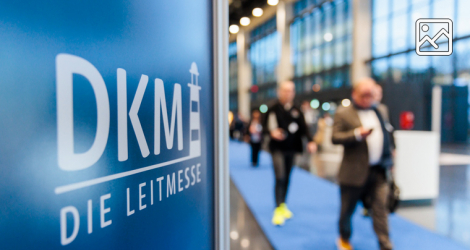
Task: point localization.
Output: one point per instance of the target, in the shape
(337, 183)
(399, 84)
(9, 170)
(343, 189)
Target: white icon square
(427, 46)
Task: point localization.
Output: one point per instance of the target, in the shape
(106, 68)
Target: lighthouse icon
(194, 116)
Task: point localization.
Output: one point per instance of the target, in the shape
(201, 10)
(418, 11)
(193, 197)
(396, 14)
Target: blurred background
(324, 46)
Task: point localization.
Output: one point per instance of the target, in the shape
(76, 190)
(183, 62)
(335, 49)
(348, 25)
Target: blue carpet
(315, 204)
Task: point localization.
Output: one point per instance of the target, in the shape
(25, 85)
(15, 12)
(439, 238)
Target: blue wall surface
(159, 39)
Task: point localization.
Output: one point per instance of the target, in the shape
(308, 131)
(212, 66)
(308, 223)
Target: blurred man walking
(286, 126)
(361, 128)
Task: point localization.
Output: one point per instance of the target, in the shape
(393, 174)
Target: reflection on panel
(380, 38)
(380, 9)
(461, 26)
(264, 57)
(321, 44)
(233, 76)
(399, 32)
(380, 69)
(264, 52)
(393, 39)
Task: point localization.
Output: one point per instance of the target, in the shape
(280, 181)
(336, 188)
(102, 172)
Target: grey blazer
(355, 164)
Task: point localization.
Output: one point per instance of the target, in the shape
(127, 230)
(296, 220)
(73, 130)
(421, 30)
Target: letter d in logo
(66, 66)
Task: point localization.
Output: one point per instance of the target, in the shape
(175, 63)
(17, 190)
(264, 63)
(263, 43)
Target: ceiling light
(328, 37)
(333, 106)
(273, 2)
(233, 29)
(315, 104)
(263, 108)
(245, 243)
(316, 87)
(245, 21)
(257, 12)
(234, 235)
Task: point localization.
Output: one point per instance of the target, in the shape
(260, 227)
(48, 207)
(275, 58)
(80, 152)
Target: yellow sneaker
(285, 211)
(343, 245)
(278, 218)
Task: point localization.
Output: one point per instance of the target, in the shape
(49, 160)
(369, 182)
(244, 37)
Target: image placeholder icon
(434, 45)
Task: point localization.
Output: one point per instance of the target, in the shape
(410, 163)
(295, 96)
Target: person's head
(305, 105)
(255, 114)
(286, 92)
(364, 92)
(378, 93)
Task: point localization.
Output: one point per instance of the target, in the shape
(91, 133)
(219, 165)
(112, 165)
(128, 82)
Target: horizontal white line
(447, 159)
(78, 185)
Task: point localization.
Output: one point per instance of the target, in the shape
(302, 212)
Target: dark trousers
(283, 163)
(377, 188)
(255, 148)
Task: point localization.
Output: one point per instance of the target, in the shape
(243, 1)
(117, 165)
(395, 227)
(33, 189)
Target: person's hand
(392, 173)
(364, 132)
(277, 135)
(252, 129)
(246, 138)
(312, 147)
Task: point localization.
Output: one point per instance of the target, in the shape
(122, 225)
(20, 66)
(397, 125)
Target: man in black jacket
(286, 126)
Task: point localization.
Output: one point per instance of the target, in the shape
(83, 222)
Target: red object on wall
(407, 120)
(254, 89)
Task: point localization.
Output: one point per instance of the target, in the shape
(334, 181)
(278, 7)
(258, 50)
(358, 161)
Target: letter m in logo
(160, 105)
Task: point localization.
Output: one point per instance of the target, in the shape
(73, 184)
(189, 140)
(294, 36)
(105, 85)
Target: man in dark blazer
(362, 129)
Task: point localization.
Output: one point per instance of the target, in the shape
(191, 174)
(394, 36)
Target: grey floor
(245, 232)
(448, 215)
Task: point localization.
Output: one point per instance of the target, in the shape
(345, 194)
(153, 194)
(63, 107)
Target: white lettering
(122, 114)
(90, 217)
(187, 177)
(192, 175)
(180, 180)
(66, 66)
(129, 211)
(141, 196)
(160, 103)
(151, 192)
(198, 172)
(170, 185)
(159, 179)
(64, 240)
(104, 211)
(144, 148)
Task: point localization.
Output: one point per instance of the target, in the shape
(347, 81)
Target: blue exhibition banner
(106, 124)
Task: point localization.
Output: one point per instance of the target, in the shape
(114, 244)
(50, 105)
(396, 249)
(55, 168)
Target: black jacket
(293, 123)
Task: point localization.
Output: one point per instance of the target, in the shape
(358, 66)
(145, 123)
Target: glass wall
(321, 38)
(393, 41)
(393, 38)
(264, 57)
(233, 76)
